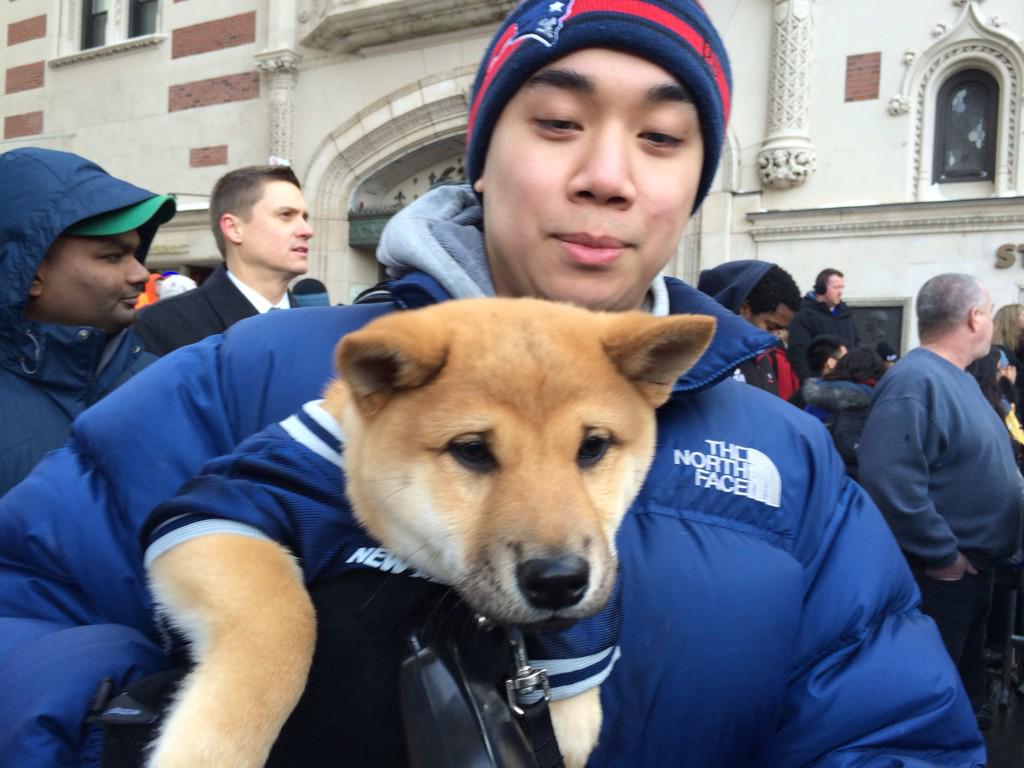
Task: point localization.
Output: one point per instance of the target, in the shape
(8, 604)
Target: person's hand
(953, 572)
(1011, 373)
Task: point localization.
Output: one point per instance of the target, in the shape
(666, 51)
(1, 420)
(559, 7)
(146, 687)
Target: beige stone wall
(377, 95)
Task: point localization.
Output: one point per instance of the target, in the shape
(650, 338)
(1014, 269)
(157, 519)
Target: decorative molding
(344, 26)
(887, 220)
(787, 158)
(969, 42)
(278, 62)
(282, 68)
(425, 112)
(90, 54)
(786, 168)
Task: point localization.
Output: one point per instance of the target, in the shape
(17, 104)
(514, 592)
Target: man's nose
(305, 230)
(137, 272)
(605, 171)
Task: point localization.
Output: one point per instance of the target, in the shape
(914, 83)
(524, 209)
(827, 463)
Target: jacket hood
(729, 284)
(51, 191)
(735, 340)
(836, 395)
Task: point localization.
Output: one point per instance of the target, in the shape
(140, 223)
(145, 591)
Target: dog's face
(496, 443)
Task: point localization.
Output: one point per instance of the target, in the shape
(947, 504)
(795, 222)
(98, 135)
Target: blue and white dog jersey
(287, 484)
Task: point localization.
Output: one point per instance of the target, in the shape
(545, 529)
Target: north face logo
(735, 469)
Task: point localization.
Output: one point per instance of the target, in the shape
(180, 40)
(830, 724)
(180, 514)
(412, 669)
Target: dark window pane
(94, 23)
(965, 127)
(967, 132)
(143, 17)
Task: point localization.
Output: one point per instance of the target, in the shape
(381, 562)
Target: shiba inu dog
(494, 444)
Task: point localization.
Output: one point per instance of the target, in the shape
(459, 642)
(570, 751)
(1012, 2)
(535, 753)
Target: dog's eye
(474, 455)
(592, 450)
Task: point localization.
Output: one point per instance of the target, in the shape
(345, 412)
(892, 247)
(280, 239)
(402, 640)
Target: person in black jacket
(259, 220)
(822, 313)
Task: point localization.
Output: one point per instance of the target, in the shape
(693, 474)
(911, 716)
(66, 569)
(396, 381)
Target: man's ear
(394, 353)
(478, 186)
(744, 311)
(652, 352)
(35, 290)
(231, 228)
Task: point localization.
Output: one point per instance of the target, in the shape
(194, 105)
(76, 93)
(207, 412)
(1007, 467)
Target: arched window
(965, 128)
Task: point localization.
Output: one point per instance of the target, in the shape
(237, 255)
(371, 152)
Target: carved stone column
(282, 69)
(787, 158)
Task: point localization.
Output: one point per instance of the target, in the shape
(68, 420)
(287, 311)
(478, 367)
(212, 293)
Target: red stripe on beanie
(670, 21)
(504, 48)
(502, 51)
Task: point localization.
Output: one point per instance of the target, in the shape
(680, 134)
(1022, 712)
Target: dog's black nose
(553, 582)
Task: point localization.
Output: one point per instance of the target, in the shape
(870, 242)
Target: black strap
(536, 723)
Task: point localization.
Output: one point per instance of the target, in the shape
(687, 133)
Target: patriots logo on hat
(543, 22)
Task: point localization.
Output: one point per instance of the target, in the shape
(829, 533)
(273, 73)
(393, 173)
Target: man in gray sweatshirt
(937, 460)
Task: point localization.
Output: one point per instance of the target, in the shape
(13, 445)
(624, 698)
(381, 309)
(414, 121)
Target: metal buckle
(527, 679)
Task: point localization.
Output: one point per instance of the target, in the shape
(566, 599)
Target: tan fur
(531, 379)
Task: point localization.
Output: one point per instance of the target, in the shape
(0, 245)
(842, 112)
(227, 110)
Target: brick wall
(200, 157)
(214, 35)
(25, 77)
(862, 76)
(216, 90)
(29, 29)
(28, 124)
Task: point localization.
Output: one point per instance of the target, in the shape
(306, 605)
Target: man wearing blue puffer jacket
(73, 240)
(767, 617)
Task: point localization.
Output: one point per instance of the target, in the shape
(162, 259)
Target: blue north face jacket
(769, 618)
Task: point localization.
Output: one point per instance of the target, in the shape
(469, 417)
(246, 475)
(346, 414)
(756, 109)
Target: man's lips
(591, 250)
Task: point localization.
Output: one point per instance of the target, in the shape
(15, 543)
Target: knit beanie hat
(677, 35)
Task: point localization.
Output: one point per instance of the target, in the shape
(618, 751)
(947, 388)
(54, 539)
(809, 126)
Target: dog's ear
(653, 352)
(387, 357)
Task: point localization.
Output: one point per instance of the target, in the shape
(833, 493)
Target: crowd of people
(805, 619)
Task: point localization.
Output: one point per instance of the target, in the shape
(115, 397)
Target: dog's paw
(577, 722)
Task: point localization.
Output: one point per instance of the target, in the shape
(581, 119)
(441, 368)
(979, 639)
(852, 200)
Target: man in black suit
(261, 225)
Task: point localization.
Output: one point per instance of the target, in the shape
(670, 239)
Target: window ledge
(103, 51)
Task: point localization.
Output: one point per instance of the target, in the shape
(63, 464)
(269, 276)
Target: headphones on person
(821, 284)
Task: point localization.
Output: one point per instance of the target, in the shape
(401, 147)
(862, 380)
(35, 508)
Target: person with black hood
(72, 243)
(822, 313)
(766, 296)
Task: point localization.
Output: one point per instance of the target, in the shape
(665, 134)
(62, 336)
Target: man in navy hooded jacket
(72, 242)
(767, 618)
(766, 296)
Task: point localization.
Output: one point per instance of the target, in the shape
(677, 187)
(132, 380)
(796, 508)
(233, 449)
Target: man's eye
(558, 125)
(661, 140)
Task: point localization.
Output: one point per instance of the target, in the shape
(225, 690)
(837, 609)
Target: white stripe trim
(194, 531)
(315, 410)
(304, 436)
(559, 692)
(562, 666)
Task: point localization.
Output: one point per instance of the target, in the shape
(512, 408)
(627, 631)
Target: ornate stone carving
(786, 168)
(940, 29)
(787, 157)
(282, 68)
(898, 105)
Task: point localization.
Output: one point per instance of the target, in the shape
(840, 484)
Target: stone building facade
(887, 150)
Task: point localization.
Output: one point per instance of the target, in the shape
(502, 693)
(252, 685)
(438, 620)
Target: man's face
(982, 321)
(834, 290)
(775, 322)
(92, 281)
(275, 236)
(589, 181)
